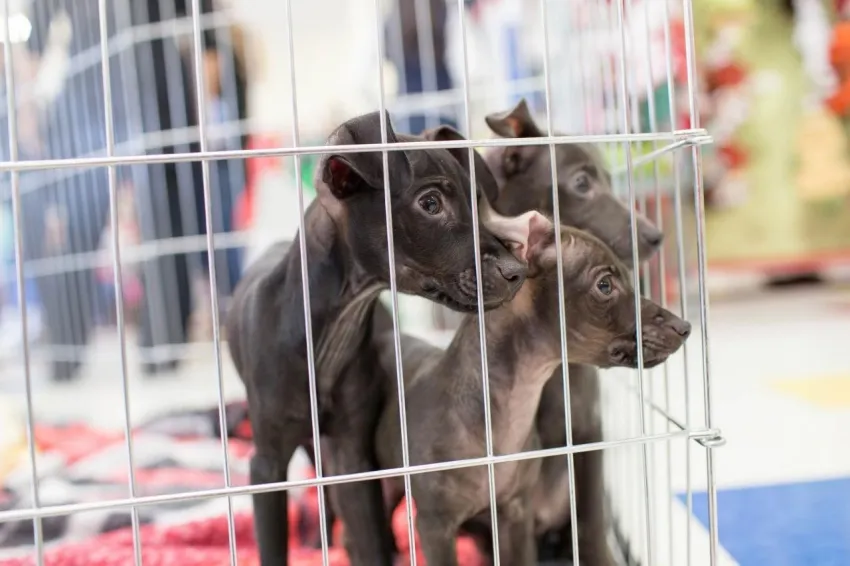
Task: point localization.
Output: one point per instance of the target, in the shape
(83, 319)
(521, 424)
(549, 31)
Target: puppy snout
(511, 271)
(653, 237)
(620, 354)
(681, 327)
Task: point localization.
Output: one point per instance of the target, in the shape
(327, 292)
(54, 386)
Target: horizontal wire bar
(67, 509)
(134, 254)
(690, 137)
(129, 37)
(186, 244)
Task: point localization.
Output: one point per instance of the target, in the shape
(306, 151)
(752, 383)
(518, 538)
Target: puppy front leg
(594, 549)
(351, 449)
(271, 519)
(517, 544)
(437, 537)
(360, 505)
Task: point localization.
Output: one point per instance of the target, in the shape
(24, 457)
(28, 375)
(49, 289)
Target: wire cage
(127, 153)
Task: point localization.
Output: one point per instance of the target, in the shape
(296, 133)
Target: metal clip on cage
(649, 452)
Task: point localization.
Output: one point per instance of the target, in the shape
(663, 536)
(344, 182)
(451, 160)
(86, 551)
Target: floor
(781, 397)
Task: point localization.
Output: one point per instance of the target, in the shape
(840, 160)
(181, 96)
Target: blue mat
(799, 524)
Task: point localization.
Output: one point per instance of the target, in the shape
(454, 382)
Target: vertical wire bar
(17, 229)
(482, 336)
(562, 320)
(662, 266)
(201, 99)
(82, 306)
(116, 269)
(397, 39)
(682, 278)
(582, 15)
(612, 125)
(653, 128)
(427, 56)
(388, 213)
(305, 284)
(635, 274)
(155, 294)
(178, 117)
(699, 209)
(645, 272)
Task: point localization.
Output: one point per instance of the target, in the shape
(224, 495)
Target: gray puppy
(445, 410)
(585, 201)
(347, 262)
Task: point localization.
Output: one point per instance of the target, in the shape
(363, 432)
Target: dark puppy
(347, 268)
(585, 201)
(444, 389)
(585, 198)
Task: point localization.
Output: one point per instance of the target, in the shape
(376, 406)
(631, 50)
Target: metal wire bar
(305, 284)
(125, 39)
(662, 271)
(201, 100)
(12, 110)
(67, 509)
(427, 59)
(696, 136)
(682, 277)
(482, 331)
(562, 320)
(699, 208)
(636, 262)
(138, 253)
(402, 404)
(117, 272)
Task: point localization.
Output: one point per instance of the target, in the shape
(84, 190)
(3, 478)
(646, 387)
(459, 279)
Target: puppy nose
(511, 271)
(682, 327)
(653, 238)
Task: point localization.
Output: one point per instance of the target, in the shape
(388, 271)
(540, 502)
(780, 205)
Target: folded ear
(483, 175)
(530, 236)
(514, 123)
(347, 174)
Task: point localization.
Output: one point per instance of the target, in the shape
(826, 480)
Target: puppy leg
(594, 549)
(330, 515)
(271, 519)
(517, 544)
(360, 505)
(437, 536)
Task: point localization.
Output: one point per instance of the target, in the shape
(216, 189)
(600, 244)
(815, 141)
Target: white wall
(335, 61)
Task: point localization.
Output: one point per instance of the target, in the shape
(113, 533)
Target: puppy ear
(348, 174)
(530, 236)
(483, 175)
(515, 123)
(541, 254)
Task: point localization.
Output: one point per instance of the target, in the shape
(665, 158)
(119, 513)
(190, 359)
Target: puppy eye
(431, 204)
(605, 286)
(581, 182)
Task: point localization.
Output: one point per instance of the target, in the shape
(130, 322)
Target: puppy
(586, 201)
(445, 412)
(347, 266)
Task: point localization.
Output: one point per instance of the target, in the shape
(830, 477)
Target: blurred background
(772, 88)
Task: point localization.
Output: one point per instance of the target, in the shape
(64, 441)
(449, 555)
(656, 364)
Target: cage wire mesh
(126, 155)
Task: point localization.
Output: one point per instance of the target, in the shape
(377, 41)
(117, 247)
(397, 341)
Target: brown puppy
(586, 201)
(444, 392)
(585, 198)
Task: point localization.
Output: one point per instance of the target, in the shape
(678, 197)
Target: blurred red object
(839, 56)
(255, 167)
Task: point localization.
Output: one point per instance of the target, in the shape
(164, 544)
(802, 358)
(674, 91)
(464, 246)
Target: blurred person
(403, 43)
(154, 108)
